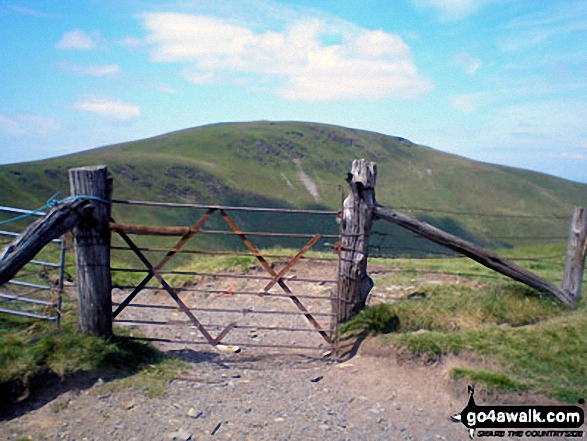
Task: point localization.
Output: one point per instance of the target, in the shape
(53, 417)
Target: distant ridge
(303, 164)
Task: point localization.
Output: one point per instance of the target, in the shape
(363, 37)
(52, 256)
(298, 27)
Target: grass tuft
(378, 319)
(27, 351)
(550, 357)
(488, 379)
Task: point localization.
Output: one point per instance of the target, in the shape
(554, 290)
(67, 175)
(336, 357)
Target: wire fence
(537, 243)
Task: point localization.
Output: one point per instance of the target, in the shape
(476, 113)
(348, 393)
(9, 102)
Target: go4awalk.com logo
(521, 421)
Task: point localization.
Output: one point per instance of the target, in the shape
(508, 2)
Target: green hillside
(294, 164)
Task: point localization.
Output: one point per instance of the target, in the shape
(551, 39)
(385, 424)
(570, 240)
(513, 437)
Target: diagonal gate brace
(154, 272)
(276, 277)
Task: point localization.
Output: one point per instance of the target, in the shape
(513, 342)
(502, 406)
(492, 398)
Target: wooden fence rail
(477, 253)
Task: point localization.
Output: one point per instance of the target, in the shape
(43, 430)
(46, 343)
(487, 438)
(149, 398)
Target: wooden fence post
(575, 263)
(356, 222)
(92, 249)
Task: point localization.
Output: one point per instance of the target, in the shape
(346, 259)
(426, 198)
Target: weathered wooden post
(575, 263)
(356, 222)
(92, 249)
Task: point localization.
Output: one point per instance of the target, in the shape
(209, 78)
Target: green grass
(28, 350)
(546, 260)
(549, 357)
(452, 308)
(488, 379)
(538, 344)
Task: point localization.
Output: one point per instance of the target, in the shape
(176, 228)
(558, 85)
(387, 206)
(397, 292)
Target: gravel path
(244, 397)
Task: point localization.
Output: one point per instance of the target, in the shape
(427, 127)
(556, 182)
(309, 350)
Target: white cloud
(452, 10)
(165, 89)
(199, 78)
(91, 70)
(470, 102)
(111, 109)
(311, 59)
(468, 63)
(10, 126)
(550, 119)
(571, 155)
(28, 125)
(473, 67)
(77, 39)
(552, 20)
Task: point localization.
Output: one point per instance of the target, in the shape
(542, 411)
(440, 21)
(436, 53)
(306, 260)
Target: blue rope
(51, 203)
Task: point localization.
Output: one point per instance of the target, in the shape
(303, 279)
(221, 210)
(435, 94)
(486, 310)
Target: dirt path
(258, 394)
(242, 397)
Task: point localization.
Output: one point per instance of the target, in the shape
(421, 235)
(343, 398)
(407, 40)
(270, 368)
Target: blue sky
(502, 81)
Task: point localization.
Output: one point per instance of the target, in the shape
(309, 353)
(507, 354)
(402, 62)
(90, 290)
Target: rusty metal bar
(187, 236)
(222, 275)
(141, 285)
(236, 311)
(277, 277)
(164, 284)
(167, 288)
(227, 292)
(150, 230)
(132, 295)
(213, 325)
(281, 283)
(225, 207)
(265, 234)
(250, 345)
(223, 333)
(134, 248)
(186, 310)
(224, 253)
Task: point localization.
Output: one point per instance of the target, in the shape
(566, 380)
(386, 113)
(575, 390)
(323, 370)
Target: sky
(500, 81)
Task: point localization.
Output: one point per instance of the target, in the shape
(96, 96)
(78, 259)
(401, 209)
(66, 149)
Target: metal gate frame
(53, 303)
(276, 278)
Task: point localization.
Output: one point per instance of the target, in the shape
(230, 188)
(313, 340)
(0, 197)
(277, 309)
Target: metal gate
(284, 296)
(37, 291)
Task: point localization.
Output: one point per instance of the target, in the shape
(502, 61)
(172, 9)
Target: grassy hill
(295, 164)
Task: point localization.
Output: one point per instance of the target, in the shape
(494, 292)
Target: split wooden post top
(92, 248)
(356, 222)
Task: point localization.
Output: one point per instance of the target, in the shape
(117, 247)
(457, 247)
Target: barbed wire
(415, 236)
(472, 213)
